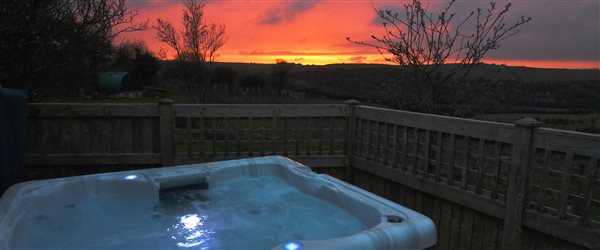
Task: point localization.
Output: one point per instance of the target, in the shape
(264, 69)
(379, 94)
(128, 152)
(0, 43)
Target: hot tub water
(241, 213)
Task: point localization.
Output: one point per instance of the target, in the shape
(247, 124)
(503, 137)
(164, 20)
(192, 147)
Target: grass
(176, 96)
(181, 97)
(98, 99)
(578, 122)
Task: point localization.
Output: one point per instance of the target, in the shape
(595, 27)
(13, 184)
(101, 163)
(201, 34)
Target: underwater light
(190, 221)
(131, 177)
(292, 246)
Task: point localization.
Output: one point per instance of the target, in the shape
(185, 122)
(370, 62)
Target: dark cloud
(158, 4)
(392, 8)
(136, 5)
(150, 4)
(288, 11)
(559, 30)
(272, 18)
(399, 8)
(567, 31)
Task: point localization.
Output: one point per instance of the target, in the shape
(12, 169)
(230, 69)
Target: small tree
(213, 41)
(279, 76)
(125, 53)
(426, 43)
(198, 43)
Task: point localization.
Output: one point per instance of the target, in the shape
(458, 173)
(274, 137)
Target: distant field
(180, 97)
(491, 71)
(578, 122)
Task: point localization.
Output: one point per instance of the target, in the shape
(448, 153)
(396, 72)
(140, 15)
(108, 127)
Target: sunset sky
(562, 34)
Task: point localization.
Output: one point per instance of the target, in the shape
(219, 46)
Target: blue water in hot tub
(241, 213)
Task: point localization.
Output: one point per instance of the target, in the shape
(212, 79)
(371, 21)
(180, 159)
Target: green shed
(110, 82)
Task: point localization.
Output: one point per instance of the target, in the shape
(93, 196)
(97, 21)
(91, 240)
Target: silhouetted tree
(213, 41)
(55, 45)
(279, 74)
(125, 54)
(143, 73)
(197, 43)
(425, 43)
(135, 58)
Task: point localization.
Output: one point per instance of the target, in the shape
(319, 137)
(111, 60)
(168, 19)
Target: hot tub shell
(390, 226)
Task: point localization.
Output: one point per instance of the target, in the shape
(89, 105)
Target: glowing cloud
(287, 11)
(565, 35)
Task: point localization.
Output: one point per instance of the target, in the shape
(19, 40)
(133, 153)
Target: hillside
(507, 89)
(489, 71)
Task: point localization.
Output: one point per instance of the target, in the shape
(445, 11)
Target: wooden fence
(542, 179)
(485, 184)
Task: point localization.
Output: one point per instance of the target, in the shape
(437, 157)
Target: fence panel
(313, 134)
(563, 196)
(92, 134)
(473, 156)
(469, 162)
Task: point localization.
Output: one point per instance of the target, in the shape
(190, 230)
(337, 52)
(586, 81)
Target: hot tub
(258, 203)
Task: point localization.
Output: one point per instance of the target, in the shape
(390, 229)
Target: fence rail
(541, 178)
(529, 178)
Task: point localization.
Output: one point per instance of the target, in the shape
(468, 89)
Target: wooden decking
(485, 184)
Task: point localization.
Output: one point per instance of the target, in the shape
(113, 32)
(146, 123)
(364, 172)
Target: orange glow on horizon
(378, 59)
(304, 59)
(333, 57)
(311, 32)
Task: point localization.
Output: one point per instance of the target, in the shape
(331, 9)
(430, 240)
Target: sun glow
(304, 59)
(308, 33)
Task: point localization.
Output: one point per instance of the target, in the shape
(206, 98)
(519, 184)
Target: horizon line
(490, 62)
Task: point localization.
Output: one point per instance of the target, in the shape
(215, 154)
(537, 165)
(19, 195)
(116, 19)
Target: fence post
(522, 151)
(165, 111)
(350, 138)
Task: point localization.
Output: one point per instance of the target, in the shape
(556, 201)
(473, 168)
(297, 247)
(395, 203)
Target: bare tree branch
(427, 43)
(198, 43)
